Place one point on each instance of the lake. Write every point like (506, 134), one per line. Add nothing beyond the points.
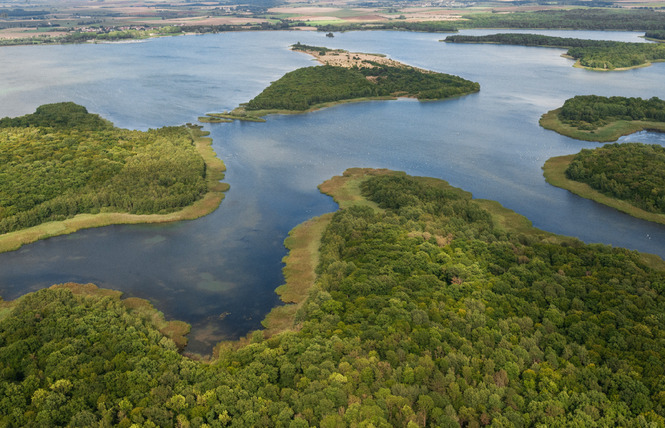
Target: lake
(219, 272)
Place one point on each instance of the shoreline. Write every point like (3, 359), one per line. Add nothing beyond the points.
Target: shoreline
(208, 203)
(604, 134)
(554, 173)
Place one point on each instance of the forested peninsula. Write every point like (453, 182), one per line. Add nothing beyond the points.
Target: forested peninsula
(429, 308)
(63, 169)
(600, 55)
(603, 119)
(346, 77)
(627, 177)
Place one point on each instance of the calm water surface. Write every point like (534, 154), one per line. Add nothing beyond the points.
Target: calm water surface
(230, 261)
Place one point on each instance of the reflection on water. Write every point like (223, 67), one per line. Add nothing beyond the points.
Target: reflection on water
(219, 272)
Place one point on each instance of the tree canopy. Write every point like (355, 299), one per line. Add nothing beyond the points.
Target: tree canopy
(427, 311)
(62, 160)
(632, 172)
(597, 54)
(306, 87)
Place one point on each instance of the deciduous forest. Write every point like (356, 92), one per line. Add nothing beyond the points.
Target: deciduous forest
(306, 87)
(61, 161)
(632, 172)
(428, 310)
(597, 54)
(590, 112)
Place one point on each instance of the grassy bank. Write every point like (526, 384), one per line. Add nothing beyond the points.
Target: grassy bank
(214, 172)
(303, 244)
(299, 273)
(610, 132)
(554, 172)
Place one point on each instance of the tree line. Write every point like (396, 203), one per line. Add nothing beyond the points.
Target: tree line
(600, 54)
(61, 161)
(655, 34)
(425, 313)
(574, 19)
(589, 112)
(632, 172)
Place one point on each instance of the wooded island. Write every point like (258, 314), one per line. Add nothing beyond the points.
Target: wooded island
(347, 77)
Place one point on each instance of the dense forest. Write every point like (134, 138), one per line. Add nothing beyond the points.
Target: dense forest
(632, 172)
(309, 86)
(62, 160)
(426, 26)
(598, 54)
(588, 112)
(574, 19)
(427, 311)
(658, 35)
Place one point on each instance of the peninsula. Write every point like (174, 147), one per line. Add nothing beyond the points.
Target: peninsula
(346, 77)
(76, 170)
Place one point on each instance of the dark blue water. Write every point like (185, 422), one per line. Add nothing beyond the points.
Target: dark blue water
(230, 261)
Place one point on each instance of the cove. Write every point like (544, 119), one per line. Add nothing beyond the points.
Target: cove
(487, 143)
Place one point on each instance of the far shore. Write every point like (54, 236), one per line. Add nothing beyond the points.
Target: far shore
(604, 134)
(208, 203)
(554, 172)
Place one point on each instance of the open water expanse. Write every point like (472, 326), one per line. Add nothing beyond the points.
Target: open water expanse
(229, 262)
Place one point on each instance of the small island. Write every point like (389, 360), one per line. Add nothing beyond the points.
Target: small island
(63, 169)
(604, 119)
(628, 177)
(599, 55)
(346, 77)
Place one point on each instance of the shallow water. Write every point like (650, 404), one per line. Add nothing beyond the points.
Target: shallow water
(488, 143)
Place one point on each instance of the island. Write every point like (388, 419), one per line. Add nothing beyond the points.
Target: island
(600, 55)
(423, 307)
(627, 177)
(346, 77)
(63, 169)
(604, 119)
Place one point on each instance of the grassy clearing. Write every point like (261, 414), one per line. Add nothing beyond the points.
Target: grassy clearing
(610, 132)
(345, 189)
(214, 172)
